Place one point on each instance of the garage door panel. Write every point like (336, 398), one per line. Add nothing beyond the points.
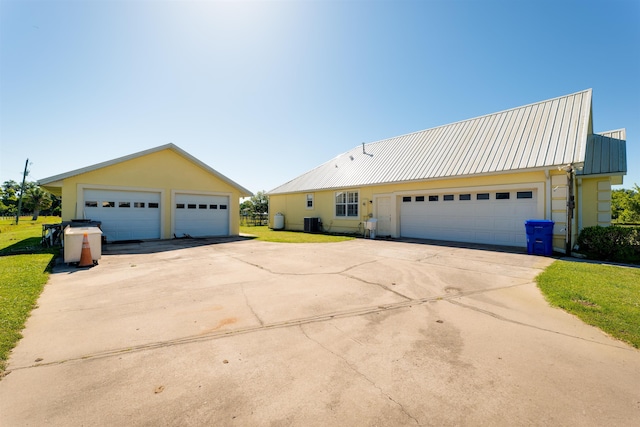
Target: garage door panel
(483, 223)
(125, 215)
(493, 221)
(201, 215)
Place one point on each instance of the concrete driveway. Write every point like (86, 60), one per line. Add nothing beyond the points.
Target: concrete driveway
(358, 333)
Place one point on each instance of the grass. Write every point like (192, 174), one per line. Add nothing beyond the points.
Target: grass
(264, 233)
(607, 297)
(24, 237)
(22, 277)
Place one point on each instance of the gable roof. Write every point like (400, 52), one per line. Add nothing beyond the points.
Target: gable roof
(56, 180)
(532, 137)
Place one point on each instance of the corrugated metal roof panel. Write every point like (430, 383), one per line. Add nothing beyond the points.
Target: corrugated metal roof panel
(605, 154)
(545, 134)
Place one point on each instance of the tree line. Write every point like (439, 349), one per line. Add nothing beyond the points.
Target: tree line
(625, 205)
(35, 200)
(258, 204)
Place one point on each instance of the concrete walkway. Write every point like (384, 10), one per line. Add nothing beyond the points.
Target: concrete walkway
(356, 333)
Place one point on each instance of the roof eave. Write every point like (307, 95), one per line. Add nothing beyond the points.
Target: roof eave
(378, 184)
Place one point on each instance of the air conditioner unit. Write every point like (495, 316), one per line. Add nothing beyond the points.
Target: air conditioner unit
(311, 225)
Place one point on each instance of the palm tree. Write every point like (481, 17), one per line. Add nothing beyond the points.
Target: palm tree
(38, 199)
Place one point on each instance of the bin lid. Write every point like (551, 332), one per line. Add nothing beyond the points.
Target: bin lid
(82, 230)
(538, 221)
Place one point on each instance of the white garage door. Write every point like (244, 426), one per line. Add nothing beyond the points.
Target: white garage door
(125, 215)
(490, 217)
(199, 215)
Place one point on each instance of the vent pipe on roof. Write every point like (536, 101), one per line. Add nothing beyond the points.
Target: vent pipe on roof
(365, 151)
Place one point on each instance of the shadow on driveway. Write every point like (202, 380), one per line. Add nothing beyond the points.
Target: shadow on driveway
(156, 246)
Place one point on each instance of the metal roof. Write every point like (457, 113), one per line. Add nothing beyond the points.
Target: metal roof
(606, 154)
(56, 180)
(541, 135)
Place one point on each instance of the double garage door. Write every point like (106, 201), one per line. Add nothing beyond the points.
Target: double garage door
(488, 217)
(136, 215)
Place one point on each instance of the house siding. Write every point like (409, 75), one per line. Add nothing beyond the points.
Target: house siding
(596, 200)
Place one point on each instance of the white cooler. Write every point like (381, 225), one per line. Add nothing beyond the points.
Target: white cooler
(73, 243)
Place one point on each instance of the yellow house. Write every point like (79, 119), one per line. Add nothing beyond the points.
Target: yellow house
(154, 194)
(474, 181)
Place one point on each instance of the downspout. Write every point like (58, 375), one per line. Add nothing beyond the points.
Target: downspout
(570, 206)
(547, 175)
(579, 204)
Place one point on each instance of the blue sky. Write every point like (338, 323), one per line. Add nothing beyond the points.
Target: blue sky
(263, 91)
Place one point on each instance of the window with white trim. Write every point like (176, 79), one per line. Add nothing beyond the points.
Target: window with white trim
(347, 204)
(309, 201)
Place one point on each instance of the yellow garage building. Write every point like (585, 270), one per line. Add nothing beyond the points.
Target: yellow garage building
(154, 194)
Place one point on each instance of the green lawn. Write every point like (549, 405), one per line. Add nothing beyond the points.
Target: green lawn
(266, 234)
(22, 277)
(607, 297)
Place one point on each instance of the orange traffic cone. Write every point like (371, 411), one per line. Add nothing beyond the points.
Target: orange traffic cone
(85, 255)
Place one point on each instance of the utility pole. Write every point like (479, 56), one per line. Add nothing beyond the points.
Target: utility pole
(24, 177)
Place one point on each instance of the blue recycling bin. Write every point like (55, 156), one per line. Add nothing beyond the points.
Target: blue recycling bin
(539, 236)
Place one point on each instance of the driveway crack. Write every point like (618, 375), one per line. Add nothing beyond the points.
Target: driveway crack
(246, 300)
(386, 288)
(516, 322)
(366, 378)
(354, 312)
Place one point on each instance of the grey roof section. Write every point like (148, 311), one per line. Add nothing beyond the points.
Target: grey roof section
(541, 135)
(606, 154)
(53, 179)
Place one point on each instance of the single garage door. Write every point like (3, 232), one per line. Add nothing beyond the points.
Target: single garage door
(489, 217)
(199, 215)
(125, 215)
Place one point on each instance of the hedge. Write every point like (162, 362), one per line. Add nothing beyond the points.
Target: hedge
(613, 243)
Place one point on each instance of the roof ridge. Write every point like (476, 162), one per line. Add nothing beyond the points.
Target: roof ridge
(482, 116)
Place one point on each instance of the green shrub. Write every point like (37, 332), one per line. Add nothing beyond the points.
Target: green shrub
(614, 243)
